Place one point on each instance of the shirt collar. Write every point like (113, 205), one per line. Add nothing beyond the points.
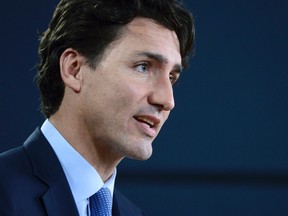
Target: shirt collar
(83, 179)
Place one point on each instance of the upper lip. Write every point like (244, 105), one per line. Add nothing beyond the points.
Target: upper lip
(152, 121)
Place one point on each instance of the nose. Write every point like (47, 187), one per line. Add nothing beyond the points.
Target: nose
(162, 95)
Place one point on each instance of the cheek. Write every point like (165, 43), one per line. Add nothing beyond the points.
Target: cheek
(128, 94)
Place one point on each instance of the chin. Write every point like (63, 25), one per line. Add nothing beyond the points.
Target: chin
(143, 157)
(141, 154)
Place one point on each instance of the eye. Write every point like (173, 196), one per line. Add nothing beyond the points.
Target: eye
(173, 78)
(143, 67)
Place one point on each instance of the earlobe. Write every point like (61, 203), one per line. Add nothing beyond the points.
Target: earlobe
(70, 65)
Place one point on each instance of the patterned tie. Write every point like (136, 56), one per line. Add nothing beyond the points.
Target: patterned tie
(101, 203)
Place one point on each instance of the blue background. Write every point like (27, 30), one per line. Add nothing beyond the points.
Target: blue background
(224, 150)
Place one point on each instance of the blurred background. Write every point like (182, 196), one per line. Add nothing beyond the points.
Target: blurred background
(224, 150)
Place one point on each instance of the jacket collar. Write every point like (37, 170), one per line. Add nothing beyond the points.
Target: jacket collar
(58, 199)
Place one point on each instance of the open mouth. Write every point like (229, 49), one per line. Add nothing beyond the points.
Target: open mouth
(148, 120)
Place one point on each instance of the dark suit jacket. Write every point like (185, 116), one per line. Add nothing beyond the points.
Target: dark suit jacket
(32, 183)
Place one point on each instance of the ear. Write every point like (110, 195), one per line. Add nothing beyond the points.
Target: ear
(70, 65)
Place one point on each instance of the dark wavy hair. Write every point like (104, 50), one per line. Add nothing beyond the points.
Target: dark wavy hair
(89, 26)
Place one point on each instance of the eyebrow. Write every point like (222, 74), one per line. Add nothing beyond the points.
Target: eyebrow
(160, 59)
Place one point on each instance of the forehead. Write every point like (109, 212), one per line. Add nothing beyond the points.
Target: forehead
(143, 25)
(144, 34)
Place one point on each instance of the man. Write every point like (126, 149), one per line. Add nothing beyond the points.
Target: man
(106, 75)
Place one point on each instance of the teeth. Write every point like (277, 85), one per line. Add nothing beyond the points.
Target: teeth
(147, 121)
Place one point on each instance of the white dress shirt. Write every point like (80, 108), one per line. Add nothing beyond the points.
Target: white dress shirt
(83, 179)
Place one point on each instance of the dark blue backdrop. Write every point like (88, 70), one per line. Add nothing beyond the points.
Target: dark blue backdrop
(224, 150)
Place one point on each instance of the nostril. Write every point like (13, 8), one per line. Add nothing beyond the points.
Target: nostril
(169, 106)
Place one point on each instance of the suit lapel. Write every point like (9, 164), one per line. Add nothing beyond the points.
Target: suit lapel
(56, 203)
(58, 200)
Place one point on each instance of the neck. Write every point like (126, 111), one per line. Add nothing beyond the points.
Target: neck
(102, 159)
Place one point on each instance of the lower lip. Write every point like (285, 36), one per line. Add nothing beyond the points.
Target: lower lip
(151, 132)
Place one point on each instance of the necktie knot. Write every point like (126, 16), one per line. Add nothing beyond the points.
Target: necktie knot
(101, 203)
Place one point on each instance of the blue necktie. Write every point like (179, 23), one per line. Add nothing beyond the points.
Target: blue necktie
(101, 203)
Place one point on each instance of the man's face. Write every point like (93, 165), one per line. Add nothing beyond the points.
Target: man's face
(128, 97)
